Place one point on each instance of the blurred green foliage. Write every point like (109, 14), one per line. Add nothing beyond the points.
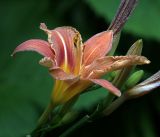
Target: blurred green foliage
(25, 86)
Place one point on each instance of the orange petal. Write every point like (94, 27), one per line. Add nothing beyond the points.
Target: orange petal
(37, 45)
(109, 86)
(97, 46)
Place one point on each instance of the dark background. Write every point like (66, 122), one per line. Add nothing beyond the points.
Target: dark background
(25, 86)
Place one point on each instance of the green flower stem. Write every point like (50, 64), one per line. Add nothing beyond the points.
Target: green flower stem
(122, 76)
(115, 105)
(46, 114)
(84, 120)
(68, 105)
(77, 125)
(43, 127)
(108, 100)
(96, 114)
(43, 131)
(43, 119)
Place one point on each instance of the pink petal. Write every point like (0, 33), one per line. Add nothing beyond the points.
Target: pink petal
(66, 42)
(106, 84)
(59, 74)
(40, 46)
(97, 46)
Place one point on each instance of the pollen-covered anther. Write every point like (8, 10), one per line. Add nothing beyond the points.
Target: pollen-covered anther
(47, 62)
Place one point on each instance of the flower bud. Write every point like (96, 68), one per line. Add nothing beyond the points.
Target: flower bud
(69, 117)
(134, 78)
(123, 74)
(124, 11)
(145, 86)
(136, 48)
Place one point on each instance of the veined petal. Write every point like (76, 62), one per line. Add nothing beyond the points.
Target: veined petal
(40, 46)
(97, 46)
(109, 86)
(112, 63)
(66, 42)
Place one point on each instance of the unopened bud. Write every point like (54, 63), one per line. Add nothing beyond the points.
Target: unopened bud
(136, 48)
(124, 11)
(134, 79)
(145, 86)
(69, 117)
(111, 75)
(123, 74)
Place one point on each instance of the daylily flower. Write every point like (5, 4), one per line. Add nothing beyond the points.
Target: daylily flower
(76, 66)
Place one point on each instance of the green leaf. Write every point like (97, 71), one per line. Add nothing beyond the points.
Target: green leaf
(144, 21)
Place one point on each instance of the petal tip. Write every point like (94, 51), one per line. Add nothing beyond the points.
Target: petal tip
(37, 45)
(118, 94)
(110, 32)
(147, 61)
(14, 52)
(140, 41)
(144, 60)
(12, 55)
